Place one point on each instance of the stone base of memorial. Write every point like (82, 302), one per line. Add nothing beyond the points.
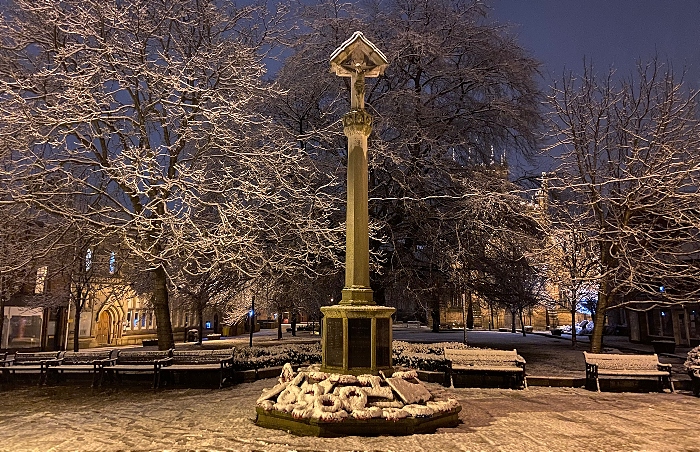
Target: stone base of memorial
(356, 339)
(316, 403)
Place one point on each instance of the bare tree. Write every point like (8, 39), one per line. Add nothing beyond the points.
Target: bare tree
(630, 163)
(457, 93)
(148, 110)
(214, 289)
(19, 232)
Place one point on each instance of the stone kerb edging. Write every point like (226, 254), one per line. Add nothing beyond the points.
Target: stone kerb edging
(250, 375)
(247, 376)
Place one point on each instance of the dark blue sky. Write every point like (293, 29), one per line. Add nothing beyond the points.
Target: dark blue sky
(612, 33)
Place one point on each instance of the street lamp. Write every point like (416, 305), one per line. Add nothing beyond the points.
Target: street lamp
(251, 314)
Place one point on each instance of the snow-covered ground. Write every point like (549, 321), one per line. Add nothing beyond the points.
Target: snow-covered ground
(72, 418)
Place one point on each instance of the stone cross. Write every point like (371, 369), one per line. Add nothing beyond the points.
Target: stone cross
(356, 332)
(357, 58)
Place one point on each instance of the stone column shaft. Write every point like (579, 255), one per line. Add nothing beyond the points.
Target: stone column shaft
(357, 127)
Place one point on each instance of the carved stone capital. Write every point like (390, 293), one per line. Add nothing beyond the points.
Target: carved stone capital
(357, 122)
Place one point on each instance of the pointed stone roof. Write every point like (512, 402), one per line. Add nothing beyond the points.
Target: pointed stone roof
(358, 54)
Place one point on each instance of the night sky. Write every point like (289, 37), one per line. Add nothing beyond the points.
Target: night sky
(612, 33)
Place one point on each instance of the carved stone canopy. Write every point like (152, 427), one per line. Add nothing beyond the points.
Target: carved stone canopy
(358, 55)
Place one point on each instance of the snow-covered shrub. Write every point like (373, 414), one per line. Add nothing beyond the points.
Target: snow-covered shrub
(423, 356)
(260, 357)
(693, 358)
(415, 356)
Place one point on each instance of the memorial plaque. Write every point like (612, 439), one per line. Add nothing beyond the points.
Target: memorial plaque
(383, 343)
(360, 339)
(334, 342)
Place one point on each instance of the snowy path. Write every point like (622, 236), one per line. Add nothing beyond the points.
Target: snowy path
(72, 418)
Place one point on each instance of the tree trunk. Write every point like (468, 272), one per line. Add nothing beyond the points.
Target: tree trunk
(573, 327)
(435, 314)
(161, 307)
(470, 312)
(2, 314)
(76, 327)
(512, 321)
(200, 322)
(522, 324)
(279, 326)
(599, 319)
(464, 318)
(61, 328)
(491, 325)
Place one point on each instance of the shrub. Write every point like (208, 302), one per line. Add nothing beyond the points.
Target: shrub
(277, 355)
(693, 358)
(421, 356)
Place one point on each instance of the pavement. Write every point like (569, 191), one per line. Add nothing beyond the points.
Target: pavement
(546, 355)
(71, 417)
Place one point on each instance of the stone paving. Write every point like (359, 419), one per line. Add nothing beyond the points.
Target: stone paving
(72, 418)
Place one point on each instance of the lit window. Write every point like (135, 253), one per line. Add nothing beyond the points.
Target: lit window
(40, 280)
(143, 320)
(112, 262)
(88, 260)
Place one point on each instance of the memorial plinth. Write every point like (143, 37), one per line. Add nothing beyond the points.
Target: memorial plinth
(357, 339)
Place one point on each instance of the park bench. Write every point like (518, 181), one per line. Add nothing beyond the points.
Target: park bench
(196, 361)
(83, 362)
(617, 366)
(134, 362)
(506, 363)
(33, 363)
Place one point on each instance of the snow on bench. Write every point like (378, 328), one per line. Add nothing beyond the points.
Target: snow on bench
(617, 366)
(135, 361)
(482, 361)
(27, 363)
(199, 361)
(89, 362)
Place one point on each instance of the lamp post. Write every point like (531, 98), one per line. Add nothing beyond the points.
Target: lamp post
(252, 319)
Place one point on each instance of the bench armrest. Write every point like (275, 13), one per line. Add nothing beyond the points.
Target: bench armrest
(663, 366)
(520, 360)
(227, 362)
(106, 362)
(164, 362)
(7, 362)
(54, 362)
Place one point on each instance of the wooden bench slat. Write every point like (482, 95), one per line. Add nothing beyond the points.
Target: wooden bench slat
(198, 361)
(619, 365)
(487, 361)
